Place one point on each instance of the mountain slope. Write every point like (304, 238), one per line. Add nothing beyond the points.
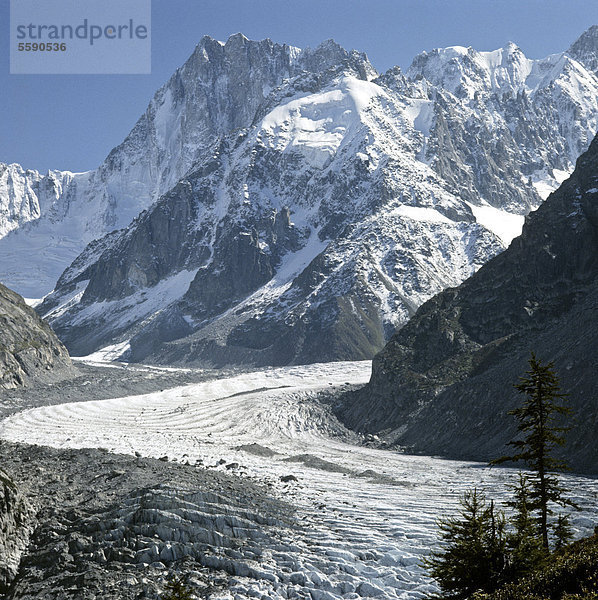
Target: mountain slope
(584, 49)
(217, 90)
(312, 205)
(317, 231)
(29, 349)
(443, 382)
(294, 230)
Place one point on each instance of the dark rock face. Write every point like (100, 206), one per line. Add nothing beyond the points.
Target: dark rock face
(240, 265)
(443, 384)
(29, 349)
(15, 526)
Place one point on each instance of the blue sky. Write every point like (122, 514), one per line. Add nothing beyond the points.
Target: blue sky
(73, 121)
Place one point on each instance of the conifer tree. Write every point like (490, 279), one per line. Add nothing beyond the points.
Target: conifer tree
(540, 436)
(524, 544)
(496, 547)
(177, 590)
(562, 531)
(473, 556)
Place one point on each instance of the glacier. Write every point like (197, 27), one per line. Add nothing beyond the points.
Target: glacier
(365, 516)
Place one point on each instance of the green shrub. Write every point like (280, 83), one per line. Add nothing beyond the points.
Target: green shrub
(570, 574)
(177, 590)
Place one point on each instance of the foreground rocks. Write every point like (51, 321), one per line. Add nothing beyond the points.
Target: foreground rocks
(15, 523)
(98, 525)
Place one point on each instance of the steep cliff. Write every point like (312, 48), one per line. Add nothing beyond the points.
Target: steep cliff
(29, 349)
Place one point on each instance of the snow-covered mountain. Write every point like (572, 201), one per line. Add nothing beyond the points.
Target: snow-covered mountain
(311, 204)
(510, 110)
(444, 383)
(318, 217)
(216, 91)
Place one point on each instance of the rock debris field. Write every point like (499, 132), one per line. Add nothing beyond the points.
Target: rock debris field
(244, 484)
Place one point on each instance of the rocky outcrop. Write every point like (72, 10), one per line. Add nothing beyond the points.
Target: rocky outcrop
(29, 349)
(443, 384)
(16, 519)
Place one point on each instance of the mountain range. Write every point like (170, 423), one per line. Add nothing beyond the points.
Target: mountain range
(444, 383)
(276, 205)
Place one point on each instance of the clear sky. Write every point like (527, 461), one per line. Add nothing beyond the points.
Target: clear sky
(71, 122)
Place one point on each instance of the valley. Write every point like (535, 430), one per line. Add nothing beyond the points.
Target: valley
(273, 337)
(360, 517)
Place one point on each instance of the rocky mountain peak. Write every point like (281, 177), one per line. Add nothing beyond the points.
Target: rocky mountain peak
(325, 53)
(466, 72)
(585, 49)
(329, 54)
(239, 53)
(239, 46)
(239, 39)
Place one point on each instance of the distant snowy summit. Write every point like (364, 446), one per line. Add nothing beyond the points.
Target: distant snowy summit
(276, 205)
